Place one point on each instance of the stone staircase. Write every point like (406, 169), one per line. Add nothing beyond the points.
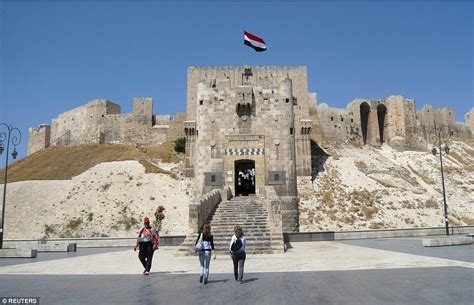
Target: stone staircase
(252, 215)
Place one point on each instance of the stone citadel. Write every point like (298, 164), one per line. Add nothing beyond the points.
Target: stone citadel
(253, 130)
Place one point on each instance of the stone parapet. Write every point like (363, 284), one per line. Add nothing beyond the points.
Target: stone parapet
(18, 253)
(447, 241)
(199, 212)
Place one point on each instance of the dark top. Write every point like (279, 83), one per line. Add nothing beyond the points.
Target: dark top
(208, 241)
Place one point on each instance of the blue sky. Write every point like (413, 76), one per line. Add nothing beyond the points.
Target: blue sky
(58, 55)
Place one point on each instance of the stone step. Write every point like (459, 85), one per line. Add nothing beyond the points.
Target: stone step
(259, 236)
(233, 212)
(250, 244)
(238, 213)
(249, 213)
(247, 230)
(238, 219)
(243, 224)
(248, 224)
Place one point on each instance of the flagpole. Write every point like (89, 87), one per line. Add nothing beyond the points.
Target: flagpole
(243, 56)
(243, 65)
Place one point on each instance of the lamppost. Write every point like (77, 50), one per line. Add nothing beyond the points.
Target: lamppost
(439, 135)
(15, 140)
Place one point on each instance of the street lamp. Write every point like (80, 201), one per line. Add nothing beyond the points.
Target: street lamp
(438, 136)
(15, 140)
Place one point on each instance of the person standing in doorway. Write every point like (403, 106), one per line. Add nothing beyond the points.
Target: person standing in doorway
(207, 241)
(147, 243)
(237, 247)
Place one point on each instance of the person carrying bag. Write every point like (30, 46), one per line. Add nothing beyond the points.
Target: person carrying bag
(237, 247)
(204, 246)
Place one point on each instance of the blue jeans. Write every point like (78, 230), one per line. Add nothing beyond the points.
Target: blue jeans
(205, 260)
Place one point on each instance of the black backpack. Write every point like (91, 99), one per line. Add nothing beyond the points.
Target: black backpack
(236, 245)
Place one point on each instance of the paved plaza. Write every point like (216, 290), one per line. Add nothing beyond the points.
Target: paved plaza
(384, 271)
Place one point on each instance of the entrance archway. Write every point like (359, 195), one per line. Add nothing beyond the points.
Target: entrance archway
(245, 178)
(364, 120)
(381, 111)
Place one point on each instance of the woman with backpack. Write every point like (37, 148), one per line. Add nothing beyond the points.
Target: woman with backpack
(204, 246)
(238, 244)
(147, 243)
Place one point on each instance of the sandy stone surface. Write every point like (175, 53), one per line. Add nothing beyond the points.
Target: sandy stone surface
(109, 199)
(370, 188)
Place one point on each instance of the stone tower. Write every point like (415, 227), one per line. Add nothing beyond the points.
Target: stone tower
(245, 120)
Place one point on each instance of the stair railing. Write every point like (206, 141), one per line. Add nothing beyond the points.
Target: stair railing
(274, 211)
(200, 211)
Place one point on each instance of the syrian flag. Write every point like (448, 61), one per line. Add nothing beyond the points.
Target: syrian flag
(254, 42)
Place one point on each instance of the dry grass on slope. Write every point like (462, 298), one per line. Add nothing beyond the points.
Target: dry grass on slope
(62, 163)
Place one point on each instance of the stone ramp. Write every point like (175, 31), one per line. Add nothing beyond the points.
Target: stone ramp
(249, 213)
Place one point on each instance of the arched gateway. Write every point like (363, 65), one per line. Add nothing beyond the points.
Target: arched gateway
(245, 177)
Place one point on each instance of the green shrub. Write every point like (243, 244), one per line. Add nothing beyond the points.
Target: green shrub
(48, 230)
(74, 223)
(180, 145)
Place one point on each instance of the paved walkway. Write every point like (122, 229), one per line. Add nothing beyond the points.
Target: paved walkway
(355, 272)
(304, 256)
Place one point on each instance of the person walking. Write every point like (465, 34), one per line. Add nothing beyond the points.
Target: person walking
(147, 242)
(207, 241)
(237, 246)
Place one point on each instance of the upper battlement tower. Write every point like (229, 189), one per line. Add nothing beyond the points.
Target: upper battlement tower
(249, 121)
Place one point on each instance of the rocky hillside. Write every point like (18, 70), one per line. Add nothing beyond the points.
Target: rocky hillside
(369, 188)
(97, 196)
(106, 190)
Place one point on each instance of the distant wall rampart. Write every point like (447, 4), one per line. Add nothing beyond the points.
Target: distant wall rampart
(392, 120)
(38, 138)
(101, 121)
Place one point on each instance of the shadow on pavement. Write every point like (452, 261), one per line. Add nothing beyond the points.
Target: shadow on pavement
(250, 280)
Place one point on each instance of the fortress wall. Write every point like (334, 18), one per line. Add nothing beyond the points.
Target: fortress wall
(261, 75)
(131, 129)
(176, 127)
(391, 120)
(143, 109)
(402, 123)
(38, 138)
(463, 131)
(231, 77)
(162, 119)
(247, 118)
(336, 125)
(428, 116)
(82, 123)
(469, 120)
(371, 127)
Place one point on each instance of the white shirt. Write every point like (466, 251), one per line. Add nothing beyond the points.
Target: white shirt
(244, 243)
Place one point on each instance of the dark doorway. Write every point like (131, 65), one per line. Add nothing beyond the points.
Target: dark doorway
(364, 120)
(245, 177)
(381, 111)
